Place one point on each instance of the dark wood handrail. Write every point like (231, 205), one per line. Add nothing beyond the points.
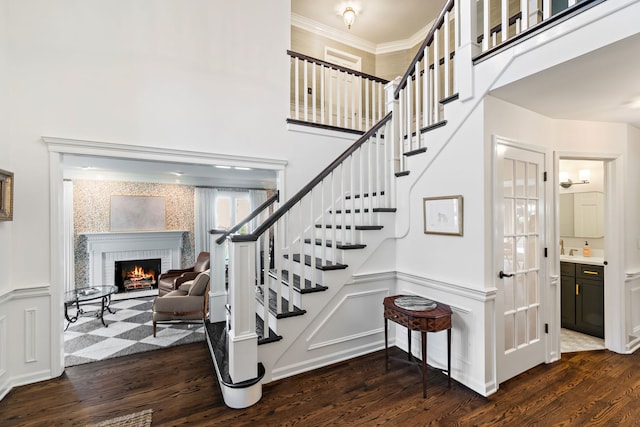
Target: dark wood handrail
(336, 67)
(427, 41)
(307, 188)
(271, 200)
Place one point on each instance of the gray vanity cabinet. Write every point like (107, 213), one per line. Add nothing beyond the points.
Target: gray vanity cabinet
(582, 298)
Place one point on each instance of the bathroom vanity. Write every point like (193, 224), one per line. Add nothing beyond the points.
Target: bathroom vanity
(582, 295)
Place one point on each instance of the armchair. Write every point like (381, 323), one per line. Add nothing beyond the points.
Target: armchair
(172, 279)
(185, 305)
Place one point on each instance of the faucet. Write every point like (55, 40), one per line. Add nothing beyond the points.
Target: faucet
(571, 252)
(561, 247)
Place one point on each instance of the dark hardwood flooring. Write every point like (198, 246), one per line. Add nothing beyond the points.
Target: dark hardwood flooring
(179, 384)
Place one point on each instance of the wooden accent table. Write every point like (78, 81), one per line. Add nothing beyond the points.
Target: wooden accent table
(434, 320)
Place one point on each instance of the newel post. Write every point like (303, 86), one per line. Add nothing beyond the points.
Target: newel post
(218, 282)
(243, 340)
(467, 46)
(394, 149)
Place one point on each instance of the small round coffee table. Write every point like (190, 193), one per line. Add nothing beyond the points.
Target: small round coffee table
(83, 296)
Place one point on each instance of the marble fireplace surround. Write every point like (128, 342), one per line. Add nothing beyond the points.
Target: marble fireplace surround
(106, 248)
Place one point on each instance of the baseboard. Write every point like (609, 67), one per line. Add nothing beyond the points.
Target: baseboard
(326, 360)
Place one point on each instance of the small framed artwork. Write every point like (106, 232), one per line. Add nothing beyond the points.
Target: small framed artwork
(6, 195)
(443, 215)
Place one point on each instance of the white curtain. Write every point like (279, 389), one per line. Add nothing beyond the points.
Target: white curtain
(205, 217)
(256, 198)
(68, 240)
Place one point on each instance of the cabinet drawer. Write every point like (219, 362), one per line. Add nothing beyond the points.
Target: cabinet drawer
(397, 317)
(585, 271)
(567, 269)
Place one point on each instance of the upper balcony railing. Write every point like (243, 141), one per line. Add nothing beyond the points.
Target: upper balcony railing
(333, 96)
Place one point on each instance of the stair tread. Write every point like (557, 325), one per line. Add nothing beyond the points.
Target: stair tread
(357, 227)
(339, 245)
(358, 196)
(366, 210)
(403, 173)
(217, 337)
(415, 152)
(308, 287)
(318, 263)
(286, 312)
(273, 337)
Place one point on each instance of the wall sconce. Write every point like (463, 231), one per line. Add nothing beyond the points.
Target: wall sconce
(349, 16)
(583, 178)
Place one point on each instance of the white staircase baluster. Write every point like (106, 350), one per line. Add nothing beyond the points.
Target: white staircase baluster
(416, 115)
(504, 20)
(524, 8)
(314, 107)
(436, 75)
(304, 91)
(330, 105)
(312, 231)
(297, 88)
(485, 26)
(322, 94)
(367, 84)
(446, 46)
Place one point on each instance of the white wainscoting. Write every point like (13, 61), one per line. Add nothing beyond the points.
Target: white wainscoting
(106, 248)
(25, 329)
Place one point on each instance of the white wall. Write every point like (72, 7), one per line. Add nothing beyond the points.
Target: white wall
(632, 202)
(194, 75)
(5, 148)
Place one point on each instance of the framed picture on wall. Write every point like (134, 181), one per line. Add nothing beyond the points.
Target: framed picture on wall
(138, 213)
(6, 195)
(443, 215)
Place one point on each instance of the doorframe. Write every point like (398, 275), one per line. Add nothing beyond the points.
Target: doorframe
(546, 282)
(614, 298)
(58, 147)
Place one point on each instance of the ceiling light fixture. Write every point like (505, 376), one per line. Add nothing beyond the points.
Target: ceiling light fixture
(349, 16)
(177, 173)
(223, 167)
(242, 168)
(583, 178)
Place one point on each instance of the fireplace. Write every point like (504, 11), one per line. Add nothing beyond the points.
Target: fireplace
(134, 275)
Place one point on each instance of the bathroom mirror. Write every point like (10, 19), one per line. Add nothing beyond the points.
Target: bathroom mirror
(582, 214)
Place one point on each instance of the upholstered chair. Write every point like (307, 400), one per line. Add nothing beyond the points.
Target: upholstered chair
(172, 279)
(189, 304)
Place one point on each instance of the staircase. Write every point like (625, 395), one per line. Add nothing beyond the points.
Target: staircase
(286, 277)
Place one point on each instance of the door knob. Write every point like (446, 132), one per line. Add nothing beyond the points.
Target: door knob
(502, 275)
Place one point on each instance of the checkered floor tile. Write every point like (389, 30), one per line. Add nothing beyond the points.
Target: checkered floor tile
(129, 330)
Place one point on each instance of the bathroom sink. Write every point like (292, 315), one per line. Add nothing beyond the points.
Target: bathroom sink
(582, 260)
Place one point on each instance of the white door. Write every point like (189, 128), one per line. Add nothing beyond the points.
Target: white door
(519, 254)
(343, 93)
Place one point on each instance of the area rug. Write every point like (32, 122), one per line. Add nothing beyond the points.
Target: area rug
(129, 331)
(138, 419)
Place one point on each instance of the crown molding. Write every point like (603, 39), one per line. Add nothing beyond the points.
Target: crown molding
(349, 39)
(331, 33)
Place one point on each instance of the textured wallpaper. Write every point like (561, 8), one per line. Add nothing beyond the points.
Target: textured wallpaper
(91, 211)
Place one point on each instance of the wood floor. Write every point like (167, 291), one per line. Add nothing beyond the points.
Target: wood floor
(179, 384)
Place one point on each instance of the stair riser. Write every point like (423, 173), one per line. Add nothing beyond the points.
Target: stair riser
(284, 292)
(273, 322)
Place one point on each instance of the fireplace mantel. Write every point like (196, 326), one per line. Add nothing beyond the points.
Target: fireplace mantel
(106, 248)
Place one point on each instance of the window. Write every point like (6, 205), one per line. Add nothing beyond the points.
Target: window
(231, 208)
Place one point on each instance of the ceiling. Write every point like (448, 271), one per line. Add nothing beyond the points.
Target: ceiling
(377, 21)
(598, 86)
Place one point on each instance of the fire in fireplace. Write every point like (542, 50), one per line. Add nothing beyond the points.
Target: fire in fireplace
(137, 274)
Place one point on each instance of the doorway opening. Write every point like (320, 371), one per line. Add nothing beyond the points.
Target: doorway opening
(581, 190)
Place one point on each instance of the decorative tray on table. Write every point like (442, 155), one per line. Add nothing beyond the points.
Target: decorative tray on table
(415, 303)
